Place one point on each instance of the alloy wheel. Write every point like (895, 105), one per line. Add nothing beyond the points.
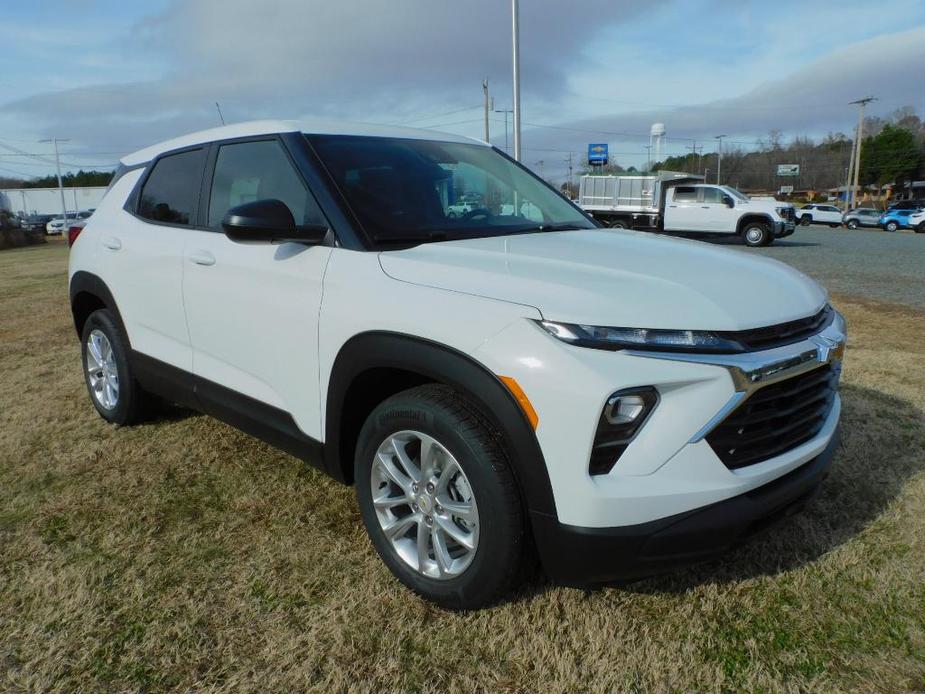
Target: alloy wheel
(425, 505)
(102, 371)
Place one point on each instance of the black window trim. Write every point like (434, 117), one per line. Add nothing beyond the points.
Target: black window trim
(133, 201)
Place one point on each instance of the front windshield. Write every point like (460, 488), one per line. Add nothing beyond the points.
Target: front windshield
(409, 191)
(736, 194)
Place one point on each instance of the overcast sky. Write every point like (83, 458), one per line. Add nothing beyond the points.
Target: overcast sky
(112, 76)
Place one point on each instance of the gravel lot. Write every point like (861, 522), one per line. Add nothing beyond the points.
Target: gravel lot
(870, 264)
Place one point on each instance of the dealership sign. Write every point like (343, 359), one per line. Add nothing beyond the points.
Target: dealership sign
(597, 154)
(788, 169)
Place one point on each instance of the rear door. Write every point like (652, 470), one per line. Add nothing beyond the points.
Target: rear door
(253, 308)
(146, 261)
(683, 210)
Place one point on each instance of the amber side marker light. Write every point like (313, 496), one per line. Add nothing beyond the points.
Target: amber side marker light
(521, 397)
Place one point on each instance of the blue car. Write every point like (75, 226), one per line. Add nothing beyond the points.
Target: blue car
(891, 220)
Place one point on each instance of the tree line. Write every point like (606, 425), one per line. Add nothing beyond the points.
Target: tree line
(81, 179)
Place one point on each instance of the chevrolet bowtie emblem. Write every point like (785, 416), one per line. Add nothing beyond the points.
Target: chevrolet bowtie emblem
(827, 347)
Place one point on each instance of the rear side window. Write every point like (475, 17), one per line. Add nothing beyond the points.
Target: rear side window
(685, 194)
(249, 171)
(171, 191)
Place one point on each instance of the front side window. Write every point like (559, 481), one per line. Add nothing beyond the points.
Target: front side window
(685, 194)
(249, 171)
(712, 195)
(171, 191)
(409, 191)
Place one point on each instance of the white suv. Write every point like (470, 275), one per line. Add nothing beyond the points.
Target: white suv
(495, 387)
(819, 214)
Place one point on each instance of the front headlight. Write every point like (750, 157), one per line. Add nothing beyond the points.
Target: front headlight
(642, 338)
(782, 212)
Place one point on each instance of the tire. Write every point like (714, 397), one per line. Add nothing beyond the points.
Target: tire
(123, 402)
(440, 418)
(920, 229)
(835, 226)
(617, 224)
(756, 234)
(806, 220)
(852, 224)
(891, 226)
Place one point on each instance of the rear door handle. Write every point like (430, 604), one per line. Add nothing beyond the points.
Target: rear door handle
(112, 243)
(202, 258)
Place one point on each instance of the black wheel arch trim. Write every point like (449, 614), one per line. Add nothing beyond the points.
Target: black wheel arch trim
(755, 217)
(87, 283)
(437, 362)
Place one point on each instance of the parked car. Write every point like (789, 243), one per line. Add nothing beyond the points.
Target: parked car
(819, 214)
(891, 220)
(492, 386)
(862, 217)
(917, 221)
(35, 222)
(58, 225)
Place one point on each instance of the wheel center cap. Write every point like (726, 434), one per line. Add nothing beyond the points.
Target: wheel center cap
(424, 503)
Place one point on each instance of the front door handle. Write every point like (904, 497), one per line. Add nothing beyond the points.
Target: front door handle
(202, 258)
(706, 207)
(112, 243)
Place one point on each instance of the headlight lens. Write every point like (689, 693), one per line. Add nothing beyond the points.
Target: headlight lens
(642, 338)
(782, 212)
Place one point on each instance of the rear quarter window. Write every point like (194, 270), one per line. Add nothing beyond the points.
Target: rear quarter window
(171, 191)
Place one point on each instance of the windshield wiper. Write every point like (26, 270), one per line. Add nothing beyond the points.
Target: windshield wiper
(548, 227)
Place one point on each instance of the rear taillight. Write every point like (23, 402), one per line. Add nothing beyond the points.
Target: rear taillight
(72, 234)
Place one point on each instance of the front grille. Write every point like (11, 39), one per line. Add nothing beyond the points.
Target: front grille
(783, 333)
(776, 418)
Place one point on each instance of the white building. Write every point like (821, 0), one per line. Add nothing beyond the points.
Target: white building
(26, 201)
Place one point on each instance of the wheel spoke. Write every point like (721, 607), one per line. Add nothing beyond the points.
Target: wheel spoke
(424, 541)
(446, 475)
(455, 532)
(93, 349)
(394, 474)
(462, 510)
(428, 458)
(410, 469)
(441, 553)
(400, 526)
(385, 502)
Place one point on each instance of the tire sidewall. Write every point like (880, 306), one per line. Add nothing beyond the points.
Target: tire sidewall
(852, 224)
(104, 321)
(806, 220)
(481, 465)
(891, 226)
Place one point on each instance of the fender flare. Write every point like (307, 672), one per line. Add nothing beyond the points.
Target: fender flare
(754, 217)
(439, 363)
(87, 283)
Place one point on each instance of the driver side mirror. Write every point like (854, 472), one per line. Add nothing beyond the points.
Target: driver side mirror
(729, 201)
(269, 221)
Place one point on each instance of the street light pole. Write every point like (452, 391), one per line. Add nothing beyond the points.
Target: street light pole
(55, 141)
(515, 46)
(485, 93)
(719, 158)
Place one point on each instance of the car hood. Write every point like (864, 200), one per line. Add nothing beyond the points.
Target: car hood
(616, 278)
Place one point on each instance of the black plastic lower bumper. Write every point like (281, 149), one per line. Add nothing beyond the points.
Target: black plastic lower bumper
(582, 556)
(782, 229)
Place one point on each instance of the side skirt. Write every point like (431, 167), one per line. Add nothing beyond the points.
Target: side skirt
(270, 424)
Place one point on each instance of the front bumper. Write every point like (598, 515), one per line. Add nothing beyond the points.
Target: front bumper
(580, 556)
(784, 228)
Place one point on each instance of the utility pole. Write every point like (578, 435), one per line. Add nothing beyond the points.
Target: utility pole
(505, 111)
(55, 141)
(849, 172)
(515, 49)
(220, 116)
(857, 150)
(719, 158)
(485, 93)
(693, 148)
(569, 187)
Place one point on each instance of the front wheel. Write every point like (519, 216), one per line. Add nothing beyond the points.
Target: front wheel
(438, 498)
(806, 220)
(853, 224)
(756, 234)
(920, 229)
(835, 226)
(891, 226)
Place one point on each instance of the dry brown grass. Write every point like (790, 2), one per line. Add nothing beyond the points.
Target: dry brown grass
(183, 554)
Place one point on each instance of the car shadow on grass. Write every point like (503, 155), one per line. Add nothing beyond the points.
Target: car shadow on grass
(881, 448)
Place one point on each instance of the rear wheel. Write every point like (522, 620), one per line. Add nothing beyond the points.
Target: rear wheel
(835, 226)
(107, 372)
(756, 234)
(806, 220)
(920, 229)
(438, 498)
(617, 224)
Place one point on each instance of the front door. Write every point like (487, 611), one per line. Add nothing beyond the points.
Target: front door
(253, 308)
(720, 217)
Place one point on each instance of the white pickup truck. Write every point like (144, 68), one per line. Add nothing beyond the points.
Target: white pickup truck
(683, 204)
